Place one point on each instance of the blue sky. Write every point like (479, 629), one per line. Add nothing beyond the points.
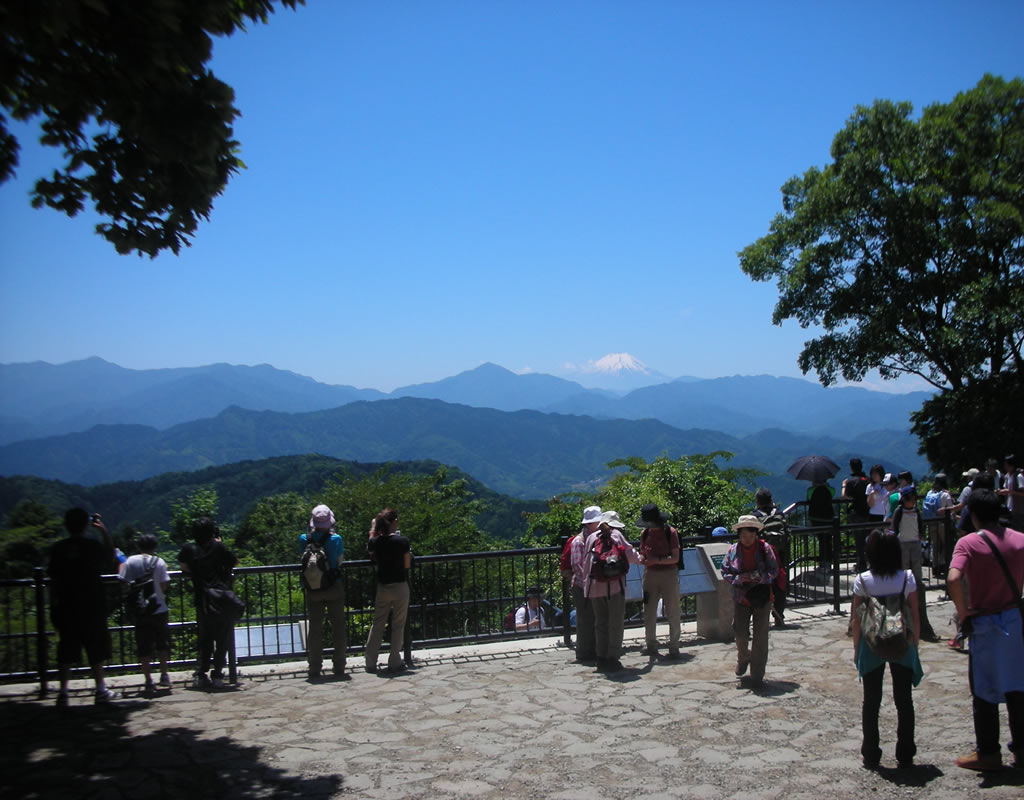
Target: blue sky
(433, 185)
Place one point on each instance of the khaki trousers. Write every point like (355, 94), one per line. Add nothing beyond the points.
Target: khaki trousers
(392, 600)
(661, 584)
(332, 601)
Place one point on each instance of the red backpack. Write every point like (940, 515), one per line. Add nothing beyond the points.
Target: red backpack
(610, 562)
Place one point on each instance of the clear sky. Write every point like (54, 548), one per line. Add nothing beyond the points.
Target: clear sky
(433, 185)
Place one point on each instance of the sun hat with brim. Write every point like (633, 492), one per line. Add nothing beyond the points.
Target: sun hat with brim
(591, 514)
(651, 517)
(972, 473)
(321, 519)
(611, 519)
(748, 521)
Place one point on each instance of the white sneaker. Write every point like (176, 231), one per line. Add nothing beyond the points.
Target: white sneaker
(105, 697)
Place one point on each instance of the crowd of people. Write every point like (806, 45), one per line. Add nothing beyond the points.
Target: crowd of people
(985, 575)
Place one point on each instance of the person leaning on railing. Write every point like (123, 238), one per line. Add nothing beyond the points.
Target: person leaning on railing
(391, 553)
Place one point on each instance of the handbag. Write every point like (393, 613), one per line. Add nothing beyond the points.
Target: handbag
(758, 595)
(223, 603)
(1014, 591)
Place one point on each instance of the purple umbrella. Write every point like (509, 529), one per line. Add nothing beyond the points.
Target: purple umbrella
(816, 469)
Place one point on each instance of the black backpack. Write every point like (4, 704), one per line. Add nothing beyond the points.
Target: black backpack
(857, 491)
(141, 601)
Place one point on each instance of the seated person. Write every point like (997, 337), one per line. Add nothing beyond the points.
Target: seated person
(535, 614)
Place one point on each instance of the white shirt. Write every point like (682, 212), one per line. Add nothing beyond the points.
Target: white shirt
(867, 584)
(138, 565)
(525, 614)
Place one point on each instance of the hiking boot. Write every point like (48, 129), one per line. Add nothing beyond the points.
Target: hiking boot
(650, 651)
(202, 681)
(313, 674)
(673, 653)
(981, 763)
(165, 680)
(62, 701)
(741, 667)
(104, 697)
(371, 668)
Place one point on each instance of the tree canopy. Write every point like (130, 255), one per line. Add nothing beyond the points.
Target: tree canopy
(123, 90)
(693, 491)
(907, 249)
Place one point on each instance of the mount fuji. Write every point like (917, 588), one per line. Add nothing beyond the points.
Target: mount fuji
(617, 372)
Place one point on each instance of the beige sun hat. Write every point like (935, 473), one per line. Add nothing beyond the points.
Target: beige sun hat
(747, 521)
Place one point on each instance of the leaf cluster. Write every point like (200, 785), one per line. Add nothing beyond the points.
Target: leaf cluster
(695, 492)
(908, 248)
(123, 90)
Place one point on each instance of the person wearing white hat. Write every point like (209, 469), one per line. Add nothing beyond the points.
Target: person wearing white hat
(572, 568)
(329, 593)
(750, 566)
(607, 556)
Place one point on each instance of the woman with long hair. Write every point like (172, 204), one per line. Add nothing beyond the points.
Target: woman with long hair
(884, 577)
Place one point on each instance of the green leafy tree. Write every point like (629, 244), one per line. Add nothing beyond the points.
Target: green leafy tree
(963, 429)
(694, 491)
(269, 531)
(435, 512)
(201, 502)
(144, 126)
(908, 248)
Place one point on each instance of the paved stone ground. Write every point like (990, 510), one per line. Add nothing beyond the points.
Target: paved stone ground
(510, 720)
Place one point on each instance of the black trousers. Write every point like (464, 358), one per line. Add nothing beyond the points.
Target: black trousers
(214, 635)
(902, 688)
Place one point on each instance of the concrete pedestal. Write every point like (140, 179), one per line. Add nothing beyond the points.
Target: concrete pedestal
(714, 609)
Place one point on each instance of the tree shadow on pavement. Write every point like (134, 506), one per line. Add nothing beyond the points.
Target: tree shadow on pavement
(919, 775)
(89, 751)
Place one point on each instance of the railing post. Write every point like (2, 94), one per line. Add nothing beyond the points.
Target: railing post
(836, 544)
(42, 651)
(566, 633)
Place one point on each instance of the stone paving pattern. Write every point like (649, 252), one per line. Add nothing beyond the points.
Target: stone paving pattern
(511, 720)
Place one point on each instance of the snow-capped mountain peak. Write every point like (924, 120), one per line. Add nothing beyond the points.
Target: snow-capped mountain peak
(618, 363)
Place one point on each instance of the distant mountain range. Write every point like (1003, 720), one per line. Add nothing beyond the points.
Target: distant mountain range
(40, 399)
(526, 454)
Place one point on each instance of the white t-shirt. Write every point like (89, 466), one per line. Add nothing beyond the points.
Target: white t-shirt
(909, 531)
(525, 614)
(878, 499)
(138, 565)
(867, 584)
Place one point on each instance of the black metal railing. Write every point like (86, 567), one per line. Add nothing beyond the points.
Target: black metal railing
(454, 599)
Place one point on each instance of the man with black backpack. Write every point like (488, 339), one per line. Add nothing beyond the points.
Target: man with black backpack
(321, 551)
(659, 549)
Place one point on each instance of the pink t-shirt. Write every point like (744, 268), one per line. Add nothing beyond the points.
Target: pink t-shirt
(987, 589)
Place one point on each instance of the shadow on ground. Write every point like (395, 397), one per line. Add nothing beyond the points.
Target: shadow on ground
(87, 751)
